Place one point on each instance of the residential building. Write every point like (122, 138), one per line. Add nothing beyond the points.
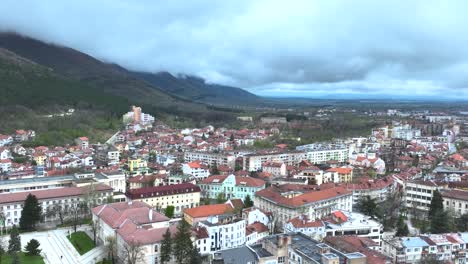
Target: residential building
(196, 169)
(82, 142)
(230, 186)
(201, 213)
(225, 231)
(212, 159)
(321, 153)
(289, 201)
(254, 162)
(345, 174)
(275, 168)
(418, 195)
(181, 196)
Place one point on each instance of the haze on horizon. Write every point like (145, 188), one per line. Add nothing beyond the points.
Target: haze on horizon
(274, 48)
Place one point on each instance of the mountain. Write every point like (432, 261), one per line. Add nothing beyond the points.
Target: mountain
(197, 89)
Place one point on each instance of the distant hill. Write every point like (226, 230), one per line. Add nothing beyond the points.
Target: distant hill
(90, 78)
(198, 89)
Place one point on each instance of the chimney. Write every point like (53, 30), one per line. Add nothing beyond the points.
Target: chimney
(130, 202)
(150, 214)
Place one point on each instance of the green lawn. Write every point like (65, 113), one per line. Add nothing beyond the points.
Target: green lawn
(24, 259)
(81, 241)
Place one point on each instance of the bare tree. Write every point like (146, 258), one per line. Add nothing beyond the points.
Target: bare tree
(133, 252)
(77, 210)
(95, 226)
(111, 247)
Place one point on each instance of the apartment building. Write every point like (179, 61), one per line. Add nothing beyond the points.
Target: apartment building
(11, 204)
(212, 159)
(254, 162)
(418, 194)
(224, 231)
(322, 152)
(230, 186)
(291, 200)
(181, 196)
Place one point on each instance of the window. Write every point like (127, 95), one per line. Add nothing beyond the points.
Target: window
(281, 259)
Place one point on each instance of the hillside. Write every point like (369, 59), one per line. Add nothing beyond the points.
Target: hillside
(198, 89)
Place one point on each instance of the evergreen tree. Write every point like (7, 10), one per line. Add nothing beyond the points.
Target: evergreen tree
(402, 228)
(437, 204)
(31, 213)
(220, 198)
(214, 170)
(462, 223)
(169, 211)
(232, 138)
(368, 206)
(166, 247)
(183, 243)
(32, 248)
(15, 241)
(195, 257)
(248, 202)
(203, 136)
(439, 223)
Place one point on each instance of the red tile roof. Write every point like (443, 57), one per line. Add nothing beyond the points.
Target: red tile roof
(208, 210)
(304, 222)
(157, 191)
(341, 170)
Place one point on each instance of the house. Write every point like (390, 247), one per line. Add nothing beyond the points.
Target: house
(5, 153)
(196, 169)
(345, 174)
(82, 142)
(5, 165)
(225, 231)
(275, 168)
(5, 140)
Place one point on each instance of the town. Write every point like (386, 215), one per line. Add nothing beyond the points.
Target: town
(156, 194)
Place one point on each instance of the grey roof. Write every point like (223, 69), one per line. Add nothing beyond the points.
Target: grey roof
(241, 255)
(37, 179)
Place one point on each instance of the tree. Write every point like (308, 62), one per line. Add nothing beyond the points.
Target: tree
(462, 223)
(15, 241)
(232, 138)
(402, 228)
(220, 198)
(133, 252)
(248, 202)
(183, 243)
(214, 170)
(31, 213)
(166, 247)
(77, 210)
(437, 204)
(32, 248)
(368, 206)
(195, 257)
(372, 174)
(95, 228)
(169, 211)
(111, 247)
(203, 136)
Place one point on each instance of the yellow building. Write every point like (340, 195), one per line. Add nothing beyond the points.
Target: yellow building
(40, 159)
(136, 164)
(181, 196)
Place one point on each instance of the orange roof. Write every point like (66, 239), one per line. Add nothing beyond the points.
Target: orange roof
(340, 215)
(297, 222)
(457, 157)
(341, 170)
(208, 210)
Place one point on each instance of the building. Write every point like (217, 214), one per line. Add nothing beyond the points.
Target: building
(212, 159)
(455, 201)
(82, 142)
(378, 189)
(418, 195)
(230, 186)
(273, 120)
(345, 174)
(196, 169)
(203, 212)
(289, 201)
(254, 162)
(225, 231)
(181, 196)
(405, 132)
(366, 246)
(443, 248)
(275, 168)
(52, 201)
(321, 153)
(132, 224)
(138, 117)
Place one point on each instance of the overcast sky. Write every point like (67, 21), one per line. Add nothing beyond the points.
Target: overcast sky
(291, 48)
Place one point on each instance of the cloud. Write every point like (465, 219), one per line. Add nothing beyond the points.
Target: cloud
(268, 47)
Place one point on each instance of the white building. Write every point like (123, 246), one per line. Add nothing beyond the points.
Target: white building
(225, 231)
(321, 153)
(212, 159)
(196, 169)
